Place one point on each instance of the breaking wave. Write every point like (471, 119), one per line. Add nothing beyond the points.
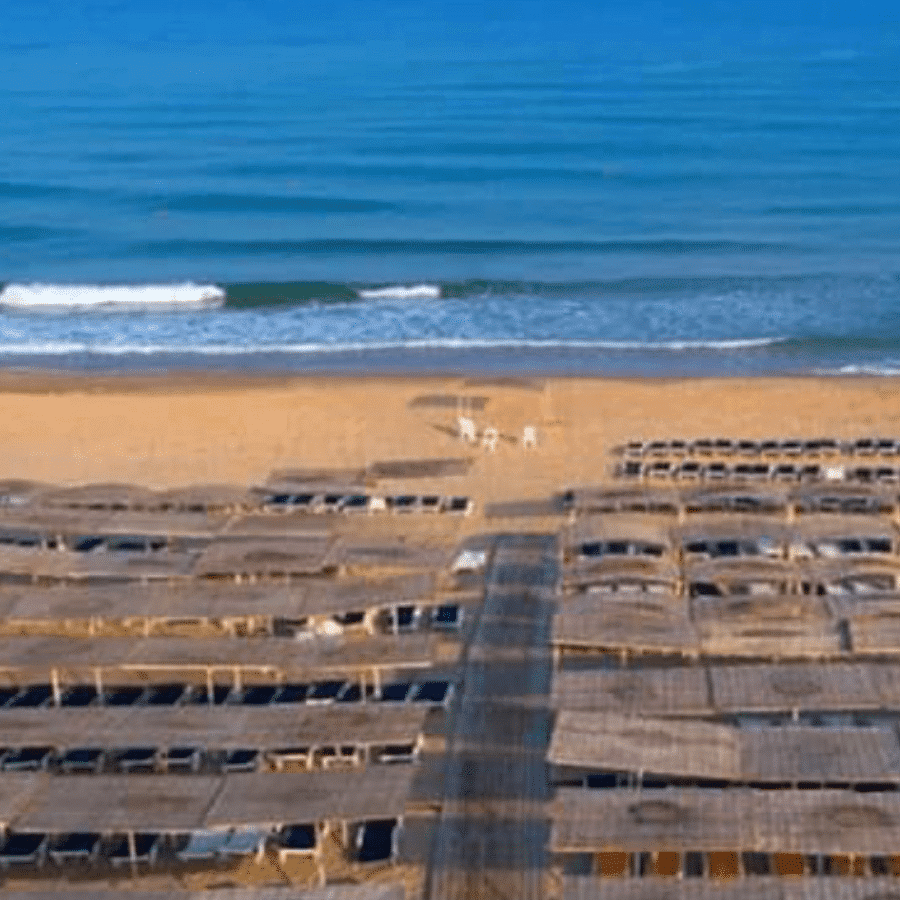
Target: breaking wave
(84, 297)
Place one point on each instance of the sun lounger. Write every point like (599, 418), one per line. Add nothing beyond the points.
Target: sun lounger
(82, 760)
(689, 471)
(396, 754)
(433, 692)
(376, 840)
(461, 506)
(23, 849)
(81, 846)
(291, 693)
(123, 696)
(145, 849)
(337, 756)
(395, 692)
(325, 692)
(245, 842)
(80, 696)
(259, 695)
(241, 761)
(36, 696)
(199, 846)
(289, 756)
(137, 759)
(446, 617)
(180, 759)
(297, 840)
(28, 759)
(355, 503)
(165, 695)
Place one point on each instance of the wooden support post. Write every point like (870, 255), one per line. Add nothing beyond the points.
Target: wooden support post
(54, 684)
(132, 853)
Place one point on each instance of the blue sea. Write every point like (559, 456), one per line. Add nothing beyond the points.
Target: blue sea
(642, 188)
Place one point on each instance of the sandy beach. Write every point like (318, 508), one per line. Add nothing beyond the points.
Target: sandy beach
(183, 429)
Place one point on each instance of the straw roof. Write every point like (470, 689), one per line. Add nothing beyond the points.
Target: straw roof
(733, 528)
(677, 691)
(419, 468)
(607, 500)
(368, 890)
(826, 821)
(850, 755)
(784, 638)
(617, 743)
(392, 555)
(15, 491)
(210, 599)
(635, 625)
(266, 558)
(277, 656)
(298, 477)
(591, 888)
(733, 499)
(701, 750)
(873, 635)
(758, 609)
(212, 727)
(70, 522)
(616, 528)
(811, 686)
(372, 792)
(731, 570)
(685, 690)
(206, 497)
(99, 496)
(15, 789)
(757, 888)
(598, 570)
(163, 803)
(266, 526)
(861, 606)
(119, 565)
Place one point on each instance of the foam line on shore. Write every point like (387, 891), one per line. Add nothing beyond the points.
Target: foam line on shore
(120, 349)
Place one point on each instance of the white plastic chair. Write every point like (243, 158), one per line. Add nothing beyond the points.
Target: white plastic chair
(467, 430)
(489, 439)
(529, 437)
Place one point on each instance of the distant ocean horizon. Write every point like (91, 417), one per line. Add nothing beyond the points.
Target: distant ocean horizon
(436, 186)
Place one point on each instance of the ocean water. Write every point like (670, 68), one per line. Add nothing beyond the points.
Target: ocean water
(576, 186)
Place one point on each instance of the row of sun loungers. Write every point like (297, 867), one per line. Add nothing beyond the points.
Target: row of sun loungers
(792, 447)
(372, 841)
(788, 473)
(192, 760)
(366, 503)
(40, 696)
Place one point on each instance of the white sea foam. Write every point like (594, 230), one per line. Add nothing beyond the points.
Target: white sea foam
(870, 369)
(58, 348)
(401, 292)
(55, 297)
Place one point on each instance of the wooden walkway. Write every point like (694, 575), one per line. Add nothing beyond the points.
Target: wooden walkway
(491, 838)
